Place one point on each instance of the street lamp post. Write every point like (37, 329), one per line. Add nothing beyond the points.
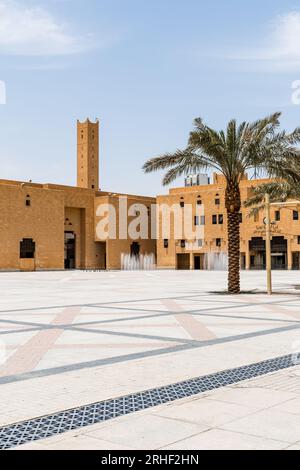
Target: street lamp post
(268, 244)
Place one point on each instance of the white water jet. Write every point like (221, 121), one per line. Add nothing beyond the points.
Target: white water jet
(216, 261)
(138, 263)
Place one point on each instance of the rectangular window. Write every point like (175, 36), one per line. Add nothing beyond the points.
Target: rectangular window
(221, 219)
(182, 243)
(199, 202)
(166, 243)
(217, 202)
(202, 220)
(295, 215)
(27, 248)
(218, 242)
(196, 220)
(201, 243)
(240, 217)
(181, 204)
(214, 220)
(277, 216)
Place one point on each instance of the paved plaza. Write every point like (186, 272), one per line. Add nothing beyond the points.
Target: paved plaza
(69, 339)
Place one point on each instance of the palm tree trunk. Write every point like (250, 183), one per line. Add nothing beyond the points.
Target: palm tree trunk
(233, 206)
(233, 252)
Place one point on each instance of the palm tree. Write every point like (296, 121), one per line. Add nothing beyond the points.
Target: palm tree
(278, 190)
(258, 145)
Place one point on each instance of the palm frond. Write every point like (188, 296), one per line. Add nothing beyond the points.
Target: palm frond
(164, 161)
(235, 151)
(279, 191)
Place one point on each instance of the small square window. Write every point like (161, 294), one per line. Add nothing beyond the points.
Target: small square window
(217, 202)
(182, 204)
(196, 220)
(199, 202)
(218, 242)
(277, 216)
(182, 243)
(28, 202)
(27, 248)
(295, 215)
(214, 220)
(221, 219)
(166, 243)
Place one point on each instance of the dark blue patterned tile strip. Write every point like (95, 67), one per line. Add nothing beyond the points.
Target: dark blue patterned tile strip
(61, 422)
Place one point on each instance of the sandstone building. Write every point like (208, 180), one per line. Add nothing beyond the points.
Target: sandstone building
(193, 253)
(53, 227)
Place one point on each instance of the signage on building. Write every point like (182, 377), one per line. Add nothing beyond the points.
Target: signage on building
(261, 229)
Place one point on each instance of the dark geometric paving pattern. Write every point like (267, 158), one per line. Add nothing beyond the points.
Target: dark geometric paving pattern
(58, 423)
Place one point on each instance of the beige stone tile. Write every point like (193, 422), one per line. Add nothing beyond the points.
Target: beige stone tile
(84, 442)
(294, 447)
(31, 446)
(147, 432)
(258, 398)
(205, 412)
(268, 424)
(291, 406)
(218, 439)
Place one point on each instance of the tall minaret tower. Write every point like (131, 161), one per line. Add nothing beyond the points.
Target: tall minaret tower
(88, 154)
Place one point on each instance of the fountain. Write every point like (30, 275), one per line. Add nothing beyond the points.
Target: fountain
(138, 263)
(216, 261)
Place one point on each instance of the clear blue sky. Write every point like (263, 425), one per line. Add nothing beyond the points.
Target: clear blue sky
(146, 69)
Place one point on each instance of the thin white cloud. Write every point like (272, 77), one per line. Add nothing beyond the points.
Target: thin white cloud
(280, 48)
(285, 38)
(33, 31)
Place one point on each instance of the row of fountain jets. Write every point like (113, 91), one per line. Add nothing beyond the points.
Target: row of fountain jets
(211, 262)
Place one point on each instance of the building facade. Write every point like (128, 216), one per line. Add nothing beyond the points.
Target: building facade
(56, 227)
(207, 250)
(53, 227)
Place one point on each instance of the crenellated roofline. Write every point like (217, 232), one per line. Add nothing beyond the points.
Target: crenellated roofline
(88, 121)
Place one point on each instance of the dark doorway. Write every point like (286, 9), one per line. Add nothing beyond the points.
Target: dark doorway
(197, 262)
(135, 249)
(279, 261)
(296, 260)
(70, 250)
(183, 261)
(257, 248)
(279, 253)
